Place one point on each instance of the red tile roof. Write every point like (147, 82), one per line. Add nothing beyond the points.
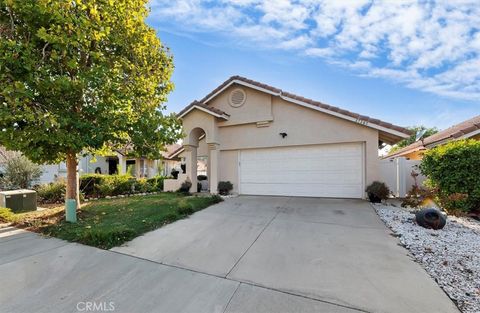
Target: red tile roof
(453, 132)
(173, 153)
(306, 100)
(204, 106)
(170, 149)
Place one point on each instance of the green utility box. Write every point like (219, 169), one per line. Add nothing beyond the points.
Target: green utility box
(22, 200)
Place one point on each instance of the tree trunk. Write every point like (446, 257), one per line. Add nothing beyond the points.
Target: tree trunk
(72, 190)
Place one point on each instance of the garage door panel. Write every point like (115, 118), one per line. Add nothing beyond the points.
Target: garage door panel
(306, 190)
(304, 177)
(321, 171)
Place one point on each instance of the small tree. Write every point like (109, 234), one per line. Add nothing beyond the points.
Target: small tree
(82, 76)
(411, 139)
(452, 170)
(19, 172)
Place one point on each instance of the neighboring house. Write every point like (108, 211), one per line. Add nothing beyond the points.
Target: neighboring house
(170, 159)
(466, 129)
(270, 142)
(118, 161)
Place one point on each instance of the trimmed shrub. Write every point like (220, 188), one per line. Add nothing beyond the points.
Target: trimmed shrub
(452, 170)
(224, 187)
(98, 185)
(51, 193)
(89, 184)
(377, 191)
(185, 187)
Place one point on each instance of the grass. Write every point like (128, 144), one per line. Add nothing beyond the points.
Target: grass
(110, 222)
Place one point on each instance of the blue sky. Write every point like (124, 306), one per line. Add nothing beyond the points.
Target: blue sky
(353, 65)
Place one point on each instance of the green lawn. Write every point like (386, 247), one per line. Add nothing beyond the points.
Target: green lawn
(109, 223)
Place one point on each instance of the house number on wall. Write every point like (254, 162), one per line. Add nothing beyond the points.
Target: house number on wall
(360, 121)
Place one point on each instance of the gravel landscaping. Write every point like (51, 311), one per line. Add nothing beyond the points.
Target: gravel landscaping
(451, 255)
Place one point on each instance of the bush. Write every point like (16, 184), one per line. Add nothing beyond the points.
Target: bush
(452, 170)
(156, 183)
(142, 185)
(51, 193)
(416, 196)
(89, 184)
(98, 185)
(224, 187)
(19, 172)
(377, 191)
(6, 215)
(185, 187)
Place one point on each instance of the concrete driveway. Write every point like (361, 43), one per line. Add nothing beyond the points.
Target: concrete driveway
(335, 251)
(247, 254)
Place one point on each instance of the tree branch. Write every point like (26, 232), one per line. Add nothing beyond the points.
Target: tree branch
(43, 51)
(11, 20)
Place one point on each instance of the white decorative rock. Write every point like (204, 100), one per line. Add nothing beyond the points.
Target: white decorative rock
(450, 255)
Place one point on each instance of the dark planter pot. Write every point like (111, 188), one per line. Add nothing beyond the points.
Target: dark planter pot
(373, 198)
(430, 218)
(175, 174)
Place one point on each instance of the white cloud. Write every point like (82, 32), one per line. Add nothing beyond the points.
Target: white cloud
(433, 47)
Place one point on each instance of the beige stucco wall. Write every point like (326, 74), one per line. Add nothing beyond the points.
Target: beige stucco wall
(257, 107)
(304, 126)
(228, 167)
(199, 119)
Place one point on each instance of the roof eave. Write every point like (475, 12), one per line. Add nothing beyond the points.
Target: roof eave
(183, 114)
(358, 120)
(402, 153)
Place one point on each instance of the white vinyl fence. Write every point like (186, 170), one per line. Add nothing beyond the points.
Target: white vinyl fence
(396, 173)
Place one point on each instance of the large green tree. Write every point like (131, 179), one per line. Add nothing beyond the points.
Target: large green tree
(414, 129)
(82, 76)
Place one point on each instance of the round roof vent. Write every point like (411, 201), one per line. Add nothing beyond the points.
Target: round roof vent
(237, 97)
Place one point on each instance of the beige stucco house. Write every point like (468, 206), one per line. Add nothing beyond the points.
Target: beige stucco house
(270, 142)
(469, 129)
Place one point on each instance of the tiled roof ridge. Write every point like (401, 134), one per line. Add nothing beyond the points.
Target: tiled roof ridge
(319, 104)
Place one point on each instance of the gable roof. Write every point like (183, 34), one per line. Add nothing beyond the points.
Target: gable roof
(390, 132)
(465, 129)
(203, 107)
(170, 149)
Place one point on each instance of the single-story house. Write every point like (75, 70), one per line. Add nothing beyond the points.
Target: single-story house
(466, 129)
(266, 141)
(111, 164)
(170, 160)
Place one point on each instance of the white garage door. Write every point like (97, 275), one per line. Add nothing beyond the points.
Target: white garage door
(334, 170)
